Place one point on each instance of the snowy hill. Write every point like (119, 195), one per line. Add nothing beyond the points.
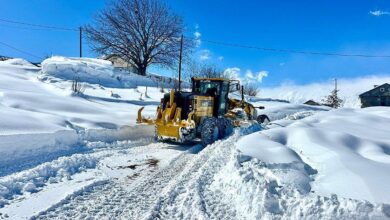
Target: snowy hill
(350, 89)
(30, 106)
(97, 71)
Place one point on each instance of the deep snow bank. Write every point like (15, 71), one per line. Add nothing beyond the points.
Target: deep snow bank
(282, 191)
(349, 148)
(350, 89)
(27, 145)
(40, 118)
(89, 70)
(98, 71)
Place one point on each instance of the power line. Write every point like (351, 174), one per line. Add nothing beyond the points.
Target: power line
(219, 43)
(289, 50)
(25, 28)
(20, 51)
(38, 25)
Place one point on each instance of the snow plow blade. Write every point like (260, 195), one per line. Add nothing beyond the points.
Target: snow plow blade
(168, 122)
(142, 120)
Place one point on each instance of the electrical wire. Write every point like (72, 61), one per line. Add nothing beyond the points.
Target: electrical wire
(24, 28)
(226, 44)
(20, 51)
(38, 25)
(289, 50)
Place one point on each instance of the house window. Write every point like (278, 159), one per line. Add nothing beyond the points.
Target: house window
(382, 89)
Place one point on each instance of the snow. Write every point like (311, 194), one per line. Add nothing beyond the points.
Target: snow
(89, 70)
(267, 150)
(282, 191)
(97, 71)
(350, 89)
(39, 116)
(80, 174)
(349, 148)
(34, 179)
(19, 63)
(77, 156)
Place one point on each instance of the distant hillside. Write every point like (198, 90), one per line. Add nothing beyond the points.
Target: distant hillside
(350, 89)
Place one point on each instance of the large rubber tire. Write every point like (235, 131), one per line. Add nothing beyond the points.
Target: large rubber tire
(225, 127)
(229, 127)
(262, 118)
(210, 132)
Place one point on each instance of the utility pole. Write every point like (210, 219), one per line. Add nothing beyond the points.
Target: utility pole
(242, 96)
(337, 101)
(180, 58)
(81, 41)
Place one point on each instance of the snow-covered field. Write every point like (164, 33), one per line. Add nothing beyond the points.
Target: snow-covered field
(66, 156)
(350, 89)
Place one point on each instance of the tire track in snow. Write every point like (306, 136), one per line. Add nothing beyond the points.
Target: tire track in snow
(190, 196)
(121, 197)
(180, 189)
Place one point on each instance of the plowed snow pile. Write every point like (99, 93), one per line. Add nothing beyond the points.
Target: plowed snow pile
(97, 71)
(41, 117)
(332, 161)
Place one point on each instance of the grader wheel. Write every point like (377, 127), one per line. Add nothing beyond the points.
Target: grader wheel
(225, 127)
(210, 131)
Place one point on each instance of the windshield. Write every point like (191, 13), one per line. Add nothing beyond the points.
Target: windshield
(207, 87)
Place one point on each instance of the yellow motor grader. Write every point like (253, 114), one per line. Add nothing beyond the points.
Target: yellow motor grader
(206, 112)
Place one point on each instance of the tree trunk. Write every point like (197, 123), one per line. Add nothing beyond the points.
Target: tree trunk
(142, 70)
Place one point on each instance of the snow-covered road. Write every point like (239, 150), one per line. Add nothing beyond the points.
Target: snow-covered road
(147, 180)
(152, 181)
(124, 179)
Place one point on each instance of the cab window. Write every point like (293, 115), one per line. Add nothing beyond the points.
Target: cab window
(209, 88)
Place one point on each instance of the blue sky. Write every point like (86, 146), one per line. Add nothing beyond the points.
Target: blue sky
(352, 27)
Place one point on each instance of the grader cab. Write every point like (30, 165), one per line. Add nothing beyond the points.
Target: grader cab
(206, 112)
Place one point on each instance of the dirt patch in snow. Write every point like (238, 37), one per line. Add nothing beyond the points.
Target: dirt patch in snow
(150, 162)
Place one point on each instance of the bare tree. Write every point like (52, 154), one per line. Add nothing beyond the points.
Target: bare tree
(77, 87)
(202, 70)
(250, 89)
(142, 32)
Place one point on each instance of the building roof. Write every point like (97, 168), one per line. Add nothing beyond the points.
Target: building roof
(107, 57)
(370, 91)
